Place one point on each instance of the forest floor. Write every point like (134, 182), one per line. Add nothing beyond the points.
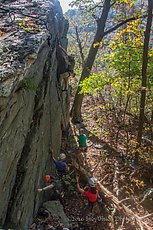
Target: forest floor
(107, 159)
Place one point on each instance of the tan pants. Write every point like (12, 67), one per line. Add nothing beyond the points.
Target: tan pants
(63, 80)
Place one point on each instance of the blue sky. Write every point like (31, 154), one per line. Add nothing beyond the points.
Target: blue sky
(65, 4)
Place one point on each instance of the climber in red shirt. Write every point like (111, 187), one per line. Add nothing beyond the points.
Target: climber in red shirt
(91, 192)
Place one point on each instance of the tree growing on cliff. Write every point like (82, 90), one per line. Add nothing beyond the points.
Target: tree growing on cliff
(104, 8)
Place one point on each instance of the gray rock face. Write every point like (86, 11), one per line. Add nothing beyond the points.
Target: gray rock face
(32, 107)
(56, 209)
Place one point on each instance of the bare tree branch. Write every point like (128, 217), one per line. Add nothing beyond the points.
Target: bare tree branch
(79, 44)
(122, 23)
(113, 3)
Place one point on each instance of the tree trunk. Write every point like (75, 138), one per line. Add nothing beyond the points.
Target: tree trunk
(144, 75)
(151, 125)
(76, 113)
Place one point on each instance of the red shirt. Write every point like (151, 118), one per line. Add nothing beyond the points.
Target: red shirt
(91, 197)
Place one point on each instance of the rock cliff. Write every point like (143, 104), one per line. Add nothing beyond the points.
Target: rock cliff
(32, 107)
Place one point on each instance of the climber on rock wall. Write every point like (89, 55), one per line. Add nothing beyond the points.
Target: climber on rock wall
(65, 66)
(60, 164)
(55, 185)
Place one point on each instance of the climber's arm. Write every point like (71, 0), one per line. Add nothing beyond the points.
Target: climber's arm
(78, 186)
(46, 188)
(51, 152)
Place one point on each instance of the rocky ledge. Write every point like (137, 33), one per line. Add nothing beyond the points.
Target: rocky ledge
(25, 25)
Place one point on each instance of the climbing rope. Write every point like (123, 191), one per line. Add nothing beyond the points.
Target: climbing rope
(50, 83)
(59, 92)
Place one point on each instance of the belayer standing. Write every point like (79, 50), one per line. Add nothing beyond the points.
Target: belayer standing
(90, 192)
(60, 164)
(82, 139)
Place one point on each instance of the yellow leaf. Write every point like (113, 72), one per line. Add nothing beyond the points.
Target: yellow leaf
(131, 4)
